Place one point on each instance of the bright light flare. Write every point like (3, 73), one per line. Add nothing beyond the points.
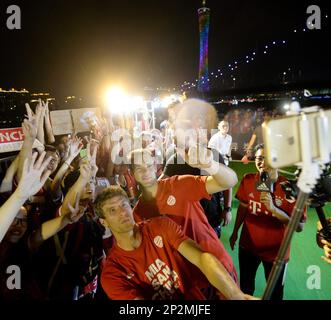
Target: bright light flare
(116, 100)
(168, 100)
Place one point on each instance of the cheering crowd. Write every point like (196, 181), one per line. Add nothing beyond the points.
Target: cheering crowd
(137, 213)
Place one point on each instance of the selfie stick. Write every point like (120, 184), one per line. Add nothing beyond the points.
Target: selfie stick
(307, 180)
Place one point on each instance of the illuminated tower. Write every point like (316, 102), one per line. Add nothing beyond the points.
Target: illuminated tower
(204, 18)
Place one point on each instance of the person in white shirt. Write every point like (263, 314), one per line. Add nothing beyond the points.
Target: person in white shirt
(221, 141)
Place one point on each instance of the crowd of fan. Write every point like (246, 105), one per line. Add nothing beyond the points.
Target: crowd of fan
(58, 204)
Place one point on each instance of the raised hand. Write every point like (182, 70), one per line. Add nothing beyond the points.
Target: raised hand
(41, 108)
(76, 212)
(200, 157)
(34, 175)
(45, 105)
(75, 146)
(92, 149)
(29, 130)
(32, 122)
(88, 167)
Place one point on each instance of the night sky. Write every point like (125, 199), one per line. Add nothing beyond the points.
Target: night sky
(79, 47)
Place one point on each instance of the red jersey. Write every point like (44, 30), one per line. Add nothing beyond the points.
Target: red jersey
(153, 271)
(262, 233)
(178, 197)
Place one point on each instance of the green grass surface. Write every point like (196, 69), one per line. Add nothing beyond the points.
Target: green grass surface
(304, 253)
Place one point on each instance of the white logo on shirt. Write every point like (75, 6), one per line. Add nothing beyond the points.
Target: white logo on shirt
(171, 201)
(263, 187)
(158, 241)
(278, 201)
(255, 207)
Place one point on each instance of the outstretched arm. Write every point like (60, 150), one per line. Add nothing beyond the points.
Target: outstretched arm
(48, 125)
(278, 213)
(88, 170)
(75, 145)
(213, 269)
(7, 182)
(220, 177)
(33, 178)
(30, 128)
(50, 228)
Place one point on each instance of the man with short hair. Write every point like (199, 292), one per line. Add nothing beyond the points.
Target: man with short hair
(178, 198)
(221, 141)
(148, 259)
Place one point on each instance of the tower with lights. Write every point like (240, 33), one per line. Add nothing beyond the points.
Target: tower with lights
(204, 19)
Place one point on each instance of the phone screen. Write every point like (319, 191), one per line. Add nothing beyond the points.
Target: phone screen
(83, 153)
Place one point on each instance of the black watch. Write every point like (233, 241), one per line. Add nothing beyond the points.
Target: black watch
(227, 208)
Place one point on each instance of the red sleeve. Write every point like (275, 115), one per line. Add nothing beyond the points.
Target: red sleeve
(116, 285)
(242, 193)
(192, 188)
(171, 231)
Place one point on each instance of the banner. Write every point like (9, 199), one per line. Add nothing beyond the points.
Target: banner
(83, 117)
(74, 120)
(11, 139)
(61, 122)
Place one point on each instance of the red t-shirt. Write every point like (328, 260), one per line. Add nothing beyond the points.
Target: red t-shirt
(178, 197)
(153, 271)
(262, 233)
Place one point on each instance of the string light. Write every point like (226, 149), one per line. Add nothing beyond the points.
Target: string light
(248, 59)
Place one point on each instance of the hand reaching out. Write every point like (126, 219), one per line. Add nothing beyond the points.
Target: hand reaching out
(92, 149)
(41, 108)
(34, 175)
(76, 212)
(30, 125)
(88, 168)
(200, 157)
(29, 130)
(45, 105)
(75, 146)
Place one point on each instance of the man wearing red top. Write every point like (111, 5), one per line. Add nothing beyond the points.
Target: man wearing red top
(264, 215)
(148, 259)
(178, 198)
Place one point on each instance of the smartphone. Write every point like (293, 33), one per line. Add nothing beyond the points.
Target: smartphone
(83, 153)
(281, 139)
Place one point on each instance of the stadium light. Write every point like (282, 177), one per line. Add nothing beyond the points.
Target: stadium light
(116, 100)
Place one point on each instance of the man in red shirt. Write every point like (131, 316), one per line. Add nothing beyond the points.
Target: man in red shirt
(264, 215)
(148, 259)
(178, 198)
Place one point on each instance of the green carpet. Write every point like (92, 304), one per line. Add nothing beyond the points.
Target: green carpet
(305, 254)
